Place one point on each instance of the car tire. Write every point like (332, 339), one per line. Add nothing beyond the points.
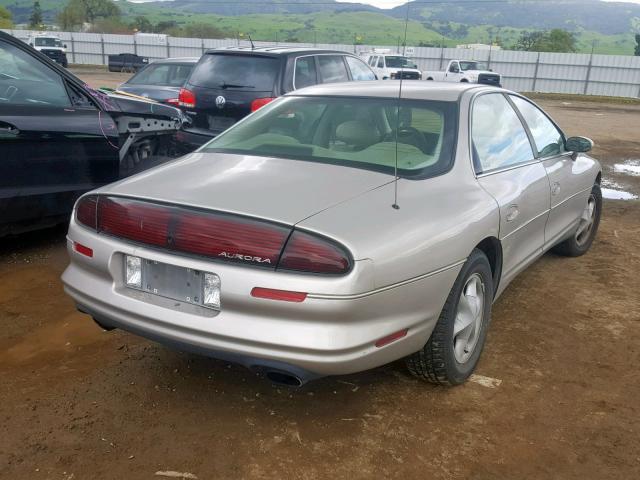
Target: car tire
(580, 241)
(446, 359)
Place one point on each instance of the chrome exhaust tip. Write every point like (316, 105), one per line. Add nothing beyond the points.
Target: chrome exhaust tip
(284, 379)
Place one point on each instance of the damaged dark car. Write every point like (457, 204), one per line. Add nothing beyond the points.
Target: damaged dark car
(60, 138)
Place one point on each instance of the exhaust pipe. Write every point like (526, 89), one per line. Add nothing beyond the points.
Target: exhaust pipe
(283, 378)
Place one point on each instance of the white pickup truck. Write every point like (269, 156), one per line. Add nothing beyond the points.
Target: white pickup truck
(468, 71)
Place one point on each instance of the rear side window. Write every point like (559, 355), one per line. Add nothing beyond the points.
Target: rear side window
(167, 74)
(381, 62)
(499, 139)
(243, 72)
(359, 69)
(305, 74)
(549, 140)
(332, 69)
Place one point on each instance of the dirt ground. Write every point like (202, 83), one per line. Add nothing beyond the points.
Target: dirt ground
(556, 395)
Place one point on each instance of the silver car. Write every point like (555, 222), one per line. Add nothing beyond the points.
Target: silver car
(338, 229)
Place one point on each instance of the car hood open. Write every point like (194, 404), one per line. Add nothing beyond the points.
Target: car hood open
(280, 190)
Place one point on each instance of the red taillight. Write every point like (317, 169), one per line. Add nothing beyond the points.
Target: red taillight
(186, 98)
(175, 102)
(392, 338)
(229, 238)
(221, 236)
(282, 295)
(86, 251)
(309, 253)
(86, 211)
(138, 221)
(258, 103)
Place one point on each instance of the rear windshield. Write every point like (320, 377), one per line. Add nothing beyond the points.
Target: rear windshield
(162, 74)
(399, 62)
(241, 72)
(357, 132)
(48, 42)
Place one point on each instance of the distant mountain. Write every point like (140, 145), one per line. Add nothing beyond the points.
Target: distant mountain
(609, 26)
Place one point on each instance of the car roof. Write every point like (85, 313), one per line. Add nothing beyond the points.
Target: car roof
(411, 89)
(277, 51)
(177, 60)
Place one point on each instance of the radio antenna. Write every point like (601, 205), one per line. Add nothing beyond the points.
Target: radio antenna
(395, 172)
(252, 45)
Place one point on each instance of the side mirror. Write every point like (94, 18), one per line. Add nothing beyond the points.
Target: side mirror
(579, 144)
(65, 46)
(31, 44)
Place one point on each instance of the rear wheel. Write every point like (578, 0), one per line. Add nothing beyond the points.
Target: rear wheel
(580, 242)
(453, 350)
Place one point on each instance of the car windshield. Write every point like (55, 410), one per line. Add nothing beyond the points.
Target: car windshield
(162, 74)
(48, 42)
(238, 72)
(464, 66)
(356, 132)
(399, 62)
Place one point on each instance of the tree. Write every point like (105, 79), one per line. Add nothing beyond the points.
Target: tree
(5, 18)
(637, 49)
(142, 24)
(528, 41)
(78, 12)
(556, 40)
(35, 20)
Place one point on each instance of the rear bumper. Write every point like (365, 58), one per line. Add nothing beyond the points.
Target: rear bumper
(327, 334)
(194, 138)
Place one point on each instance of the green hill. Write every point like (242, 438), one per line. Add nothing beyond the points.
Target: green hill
(608, 26)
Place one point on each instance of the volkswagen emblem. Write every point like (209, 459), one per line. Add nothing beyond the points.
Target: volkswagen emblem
(220, 101)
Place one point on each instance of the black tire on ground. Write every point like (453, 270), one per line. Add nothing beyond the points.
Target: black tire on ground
(436, 361)
(572, 247)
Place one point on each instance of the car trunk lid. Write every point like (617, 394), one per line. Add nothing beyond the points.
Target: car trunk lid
(280, 190)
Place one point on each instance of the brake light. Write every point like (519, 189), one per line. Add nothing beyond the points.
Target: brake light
(174, 102)
(282, 295)
(86, 211)
(186, 98)
(309, 253)
(138, 221)
(229, 238)
(216, 235)
(258, 103)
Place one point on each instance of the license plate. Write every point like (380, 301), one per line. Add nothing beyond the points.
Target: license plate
(220, 123)
(170, 281)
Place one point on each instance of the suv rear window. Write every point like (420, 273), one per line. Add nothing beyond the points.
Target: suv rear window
(242, 72)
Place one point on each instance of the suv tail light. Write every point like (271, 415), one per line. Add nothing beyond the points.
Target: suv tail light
(186, 98)
(258, 103)
(216, 235)
(309, 253)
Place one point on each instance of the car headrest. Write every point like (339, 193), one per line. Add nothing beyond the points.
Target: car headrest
(357, 133)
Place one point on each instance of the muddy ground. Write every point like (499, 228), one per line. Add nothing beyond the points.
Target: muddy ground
(561, 399)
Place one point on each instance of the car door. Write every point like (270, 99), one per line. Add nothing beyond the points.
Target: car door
(453, 73)
(506, 167)
(332, 69)
(570, 188)
(54, 143)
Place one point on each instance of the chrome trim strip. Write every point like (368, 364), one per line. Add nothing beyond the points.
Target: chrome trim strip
(356, 296)
(508, 168)
(525, 224)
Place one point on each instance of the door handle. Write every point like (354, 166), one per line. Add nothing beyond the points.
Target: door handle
(555, 188)
(512, 213)
(8, 130)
